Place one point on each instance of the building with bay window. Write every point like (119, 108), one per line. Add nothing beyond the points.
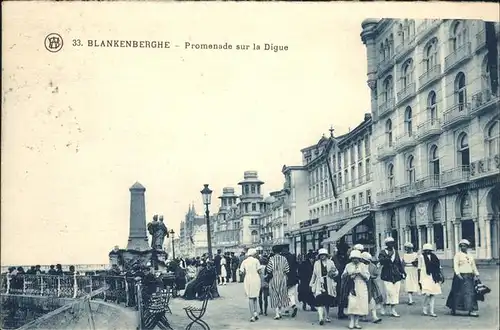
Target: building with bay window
(334, 184)
(436, 132)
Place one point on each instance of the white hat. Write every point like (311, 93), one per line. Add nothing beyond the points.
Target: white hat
(355, 254)
(427, 246)
(251, 252)
(366, 256)
(408, 245)
(388, 240)
(359, 247)
(464, 241)
(322, 251)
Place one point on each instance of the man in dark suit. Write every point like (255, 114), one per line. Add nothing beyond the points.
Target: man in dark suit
(235, 263)
(292, 277)
(217, 260)
(391, 274)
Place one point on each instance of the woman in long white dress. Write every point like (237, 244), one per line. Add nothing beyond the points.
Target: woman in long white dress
(223, 272)
(410, 259)
(430, 278)
(323, 285)
(357, 275)
(250, 267)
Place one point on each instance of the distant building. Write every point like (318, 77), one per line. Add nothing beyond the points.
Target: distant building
(191, 224)
(436, 132)
(316, 217)
(273, 222)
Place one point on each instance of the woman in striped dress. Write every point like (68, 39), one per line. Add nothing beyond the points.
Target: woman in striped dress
(277, 269)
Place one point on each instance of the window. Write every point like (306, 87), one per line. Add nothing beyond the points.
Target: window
(460, 91)
(402, 33)
(353, 198)
(340, 180)
(368, 169)
(335, 206)
(388, 132)
(361, 198)
(411, 169)
(341, 207)
(387, 91)
(434, 162)
(465, 207)
(408, 121)
(360, 149)
(367, 145)
(252, 189)
(339, 160)
(437, 226)
(467, 224)
(345, 157)
(353, 175)
(360, 173)
(407, 74)
(432, 107)
(458, 35)
(431, 55)
(413, 216)
(346, 177)
(334, 164)
(463, 151)
(368, 197)
(382, 52)
(485, 75)
(352, 149)
(390, 176)
(246, 207)
(493, 138)
(247, 190)
(347, 203)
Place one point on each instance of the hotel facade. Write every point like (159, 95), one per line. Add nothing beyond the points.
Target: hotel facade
(436, 133)
(319, 213)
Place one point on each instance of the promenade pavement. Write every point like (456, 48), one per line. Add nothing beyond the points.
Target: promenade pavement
(231, 312)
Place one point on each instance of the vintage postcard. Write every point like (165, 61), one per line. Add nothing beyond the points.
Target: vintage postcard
(226, 165)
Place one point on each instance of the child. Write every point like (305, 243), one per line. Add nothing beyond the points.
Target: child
(264, 288)
(375, 298)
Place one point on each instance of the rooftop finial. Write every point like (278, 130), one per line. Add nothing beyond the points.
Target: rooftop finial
(331, 131)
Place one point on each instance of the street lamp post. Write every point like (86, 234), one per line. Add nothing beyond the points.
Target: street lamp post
(207, 195)
(172, 233)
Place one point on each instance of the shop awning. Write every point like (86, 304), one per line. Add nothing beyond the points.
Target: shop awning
(344, 230)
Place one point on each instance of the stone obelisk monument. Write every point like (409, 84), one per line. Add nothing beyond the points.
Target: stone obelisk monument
(137, 238)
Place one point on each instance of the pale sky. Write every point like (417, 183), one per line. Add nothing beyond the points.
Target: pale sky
(79, 127)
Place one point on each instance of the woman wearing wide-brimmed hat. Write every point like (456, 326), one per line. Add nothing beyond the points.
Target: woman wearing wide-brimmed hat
(323, 285)
(430, 278)
(410, 259)
(462, 296)
(375, 298)
(391, 274)
(358, 275)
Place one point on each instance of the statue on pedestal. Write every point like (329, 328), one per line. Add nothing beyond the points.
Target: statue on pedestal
(158, 232)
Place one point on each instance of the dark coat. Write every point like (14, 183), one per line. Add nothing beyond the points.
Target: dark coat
(305, 273)
(392, 271)
(293, 274)
(217, 260)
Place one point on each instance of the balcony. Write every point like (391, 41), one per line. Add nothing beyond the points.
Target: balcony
(404, 142)
(457, 175)
(385, 65)
(406, 93)
(480, 40)
(404, 49)
(426, 28)
(385, 196)
(485, 167)
(385, 151)
(430, 76)
(405, 191)
(457, 114)
(458, 56)
(428, 184)
(428, 129)
(482, 101)
(386, 107)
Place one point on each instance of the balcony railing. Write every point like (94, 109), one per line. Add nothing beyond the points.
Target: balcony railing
(482, 100)
(385, 65)
(405, 191)
(457, 175)
(405, 141)
(427, 26)
(385, 196)
(385, 151)
(430, 76)
(456, 114)
(406, 92)
(429, 183)
(480, 40)
(428, 128)
(485, 167)
(404, 48)
(459, 55)
(386, 107)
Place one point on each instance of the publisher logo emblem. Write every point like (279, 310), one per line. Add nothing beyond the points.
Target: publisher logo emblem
(53, 42)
